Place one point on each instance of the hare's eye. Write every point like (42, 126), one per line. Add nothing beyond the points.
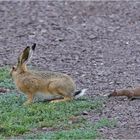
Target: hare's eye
(14, 68)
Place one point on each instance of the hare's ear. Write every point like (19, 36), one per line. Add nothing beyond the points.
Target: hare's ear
(24, 57)
(32, 49)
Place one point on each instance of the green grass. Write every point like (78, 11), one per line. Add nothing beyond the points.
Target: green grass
(66, 134)
(88, 131)
(5, 79)
(18, 121)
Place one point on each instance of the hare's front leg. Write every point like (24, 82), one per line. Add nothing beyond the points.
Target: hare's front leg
(29, 100)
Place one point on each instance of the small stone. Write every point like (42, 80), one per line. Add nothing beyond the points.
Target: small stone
(73, 119)
(3, 90)
(61, 39)
(44, 128)
(84, 113)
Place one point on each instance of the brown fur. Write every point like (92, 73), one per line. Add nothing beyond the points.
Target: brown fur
(130, 93)
(32, 82)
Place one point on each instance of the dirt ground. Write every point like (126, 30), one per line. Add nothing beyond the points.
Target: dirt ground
(97, 43)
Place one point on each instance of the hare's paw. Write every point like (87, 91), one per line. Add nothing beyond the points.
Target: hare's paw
(55, 101)
(61, 100)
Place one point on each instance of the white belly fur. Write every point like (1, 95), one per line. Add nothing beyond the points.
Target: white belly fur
(48, 96)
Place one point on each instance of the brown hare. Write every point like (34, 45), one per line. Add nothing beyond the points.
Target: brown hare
(60, 86)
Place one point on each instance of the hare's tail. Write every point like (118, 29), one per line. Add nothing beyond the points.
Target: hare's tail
(79, 93)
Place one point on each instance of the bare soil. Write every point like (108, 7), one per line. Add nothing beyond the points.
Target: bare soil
(95, 42)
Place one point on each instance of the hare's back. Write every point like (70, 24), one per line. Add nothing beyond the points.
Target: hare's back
(50, 75)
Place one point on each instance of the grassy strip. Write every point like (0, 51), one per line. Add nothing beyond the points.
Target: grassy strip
(20, 121)
(5, 79)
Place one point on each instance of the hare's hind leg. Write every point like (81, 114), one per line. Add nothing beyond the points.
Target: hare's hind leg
(58, 88)
(64, 96)
(62, 100)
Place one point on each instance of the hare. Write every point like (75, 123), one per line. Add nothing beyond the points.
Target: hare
(60, 86)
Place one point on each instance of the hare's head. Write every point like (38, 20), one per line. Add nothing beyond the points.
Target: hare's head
(23, 59)
(114, 93)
